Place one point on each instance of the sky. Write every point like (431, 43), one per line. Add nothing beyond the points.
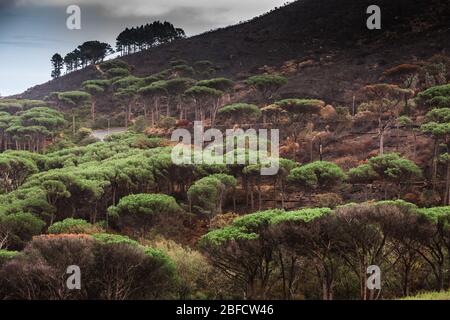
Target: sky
(31, 31)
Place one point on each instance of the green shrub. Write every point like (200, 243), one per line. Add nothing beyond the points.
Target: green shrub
(117, 72)
(20, 228)
(167, 123)
(145, 210)
(107, 238)
(430, 296)
(74, 226)
(240, 112)
(317, 175)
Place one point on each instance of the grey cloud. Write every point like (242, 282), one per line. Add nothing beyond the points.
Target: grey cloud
(6, 3)
(131, 8)
(193, 15)
(31, 41)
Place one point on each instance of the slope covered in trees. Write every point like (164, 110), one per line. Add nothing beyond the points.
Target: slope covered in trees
(361, 182)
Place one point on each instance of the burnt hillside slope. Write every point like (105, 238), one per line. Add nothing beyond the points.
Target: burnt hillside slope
(331, 34)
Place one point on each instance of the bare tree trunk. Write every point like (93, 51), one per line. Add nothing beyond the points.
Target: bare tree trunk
(381, 143)
(435, 151)
(93, 110)
(447, 185)
(73, 123)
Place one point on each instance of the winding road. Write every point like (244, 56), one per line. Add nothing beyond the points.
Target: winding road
(102, 134)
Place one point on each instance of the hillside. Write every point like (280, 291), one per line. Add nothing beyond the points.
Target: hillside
(358, 203)
(341, 54)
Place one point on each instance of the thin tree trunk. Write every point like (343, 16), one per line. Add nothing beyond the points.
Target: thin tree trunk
(73, 123)
(447, 185)
(93, 110)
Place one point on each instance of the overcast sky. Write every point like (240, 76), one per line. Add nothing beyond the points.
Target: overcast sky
(31, 31)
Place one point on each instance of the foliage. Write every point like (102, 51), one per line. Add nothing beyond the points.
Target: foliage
(210, 192)
(147, 36)
(438, 122)
(144, 210)
(317, 175)
(362, 174)
(73, 226)
(267, 85)
(240, 112)
(193, 271)
(392, 167)
(89, 52)
(57, 65)
(199, 92)
(116, 63)
(301, 106)
(30, 127)
(107, 238)
(222, 84)
(437, 214)
(6, 255)
(182, 70)
(430, 296)
(305, 215)
(14, 170)
(117, 73)
(139, 272)
(18, 228)
(435, 97)
(219, 236)
(72, 99)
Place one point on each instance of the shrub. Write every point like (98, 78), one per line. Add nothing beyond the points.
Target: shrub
(107, 238)
(362, 174)
(145, 210)
(116, 63)
(167, 123)
(267, 85)
(113, 268)
(138, 272)
(301, 106)
(82, 133)
(317, 175)
(222, 84)
(6, 255)
(183, 70)
(395, 168)
(140, 124)
(430, 296)
(193, 270)
(210, 192)
(117, 72)
(19, 228)
(40, 271)
(435, 97)
(240, 112)
(74, 226)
